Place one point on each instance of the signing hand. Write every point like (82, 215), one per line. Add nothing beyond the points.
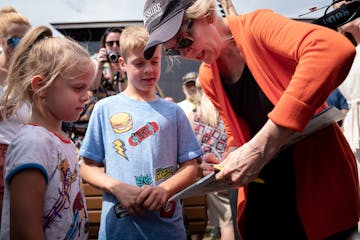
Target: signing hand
(208, 161)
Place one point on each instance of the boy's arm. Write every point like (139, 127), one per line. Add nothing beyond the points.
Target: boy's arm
(93, 173)
(153, 198)
(183, 177)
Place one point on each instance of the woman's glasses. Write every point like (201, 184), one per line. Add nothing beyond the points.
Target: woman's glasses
(12, 41)
(183, 42)
(111, 43)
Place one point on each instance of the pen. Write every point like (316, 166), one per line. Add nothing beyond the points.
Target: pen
(257, 180)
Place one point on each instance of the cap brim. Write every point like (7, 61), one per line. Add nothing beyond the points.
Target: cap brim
(163, 34)
(190, 80)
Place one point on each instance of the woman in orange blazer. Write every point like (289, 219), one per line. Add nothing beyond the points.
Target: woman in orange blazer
(268, 76)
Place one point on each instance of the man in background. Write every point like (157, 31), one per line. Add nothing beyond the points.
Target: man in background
(190, 91)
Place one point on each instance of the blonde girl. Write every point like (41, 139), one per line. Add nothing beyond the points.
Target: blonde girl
(42, 184)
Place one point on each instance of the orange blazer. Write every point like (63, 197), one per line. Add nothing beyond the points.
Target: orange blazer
(297, 65)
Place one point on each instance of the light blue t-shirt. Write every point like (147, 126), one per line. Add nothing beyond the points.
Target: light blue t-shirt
(140, 143)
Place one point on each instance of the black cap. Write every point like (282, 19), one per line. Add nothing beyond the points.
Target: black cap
(162, 19)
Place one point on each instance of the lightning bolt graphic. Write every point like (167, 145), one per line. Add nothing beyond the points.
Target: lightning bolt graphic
(120, 148)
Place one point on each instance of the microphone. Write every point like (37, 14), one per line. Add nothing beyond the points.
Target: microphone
(340, 16)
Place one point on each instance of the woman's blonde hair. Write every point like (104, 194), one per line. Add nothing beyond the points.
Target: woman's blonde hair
(39, 53)
(133, 37)
(8, 15)
(200, 8)
(204, 107)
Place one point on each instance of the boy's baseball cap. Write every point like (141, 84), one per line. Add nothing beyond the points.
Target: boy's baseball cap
(162, 19)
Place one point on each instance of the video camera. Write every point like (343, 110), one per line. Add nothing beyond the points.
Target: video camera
(342, 15)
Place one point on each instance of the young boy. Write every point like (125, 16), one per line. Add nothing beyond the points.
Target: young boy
(148, 149)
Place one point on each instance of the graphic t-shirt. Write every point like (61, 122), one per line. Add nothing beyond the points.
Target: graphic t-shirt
(64, 214)
(140, 143)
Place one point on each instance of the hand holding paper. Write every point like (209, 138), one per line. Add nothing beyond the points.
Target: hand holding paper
(218, 168)
(209, 183)
(208, 162)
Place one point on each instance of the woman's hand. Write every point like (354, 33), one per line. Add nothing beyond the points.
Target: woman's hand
(102, 55)
(245, 163)
(242, 165)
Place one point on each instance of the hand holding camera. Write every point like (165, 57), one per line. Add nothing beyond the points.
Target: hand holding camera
(108, 56)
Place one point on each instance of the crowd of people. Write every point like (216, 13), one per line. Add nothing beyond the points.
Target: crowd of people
(104, 119)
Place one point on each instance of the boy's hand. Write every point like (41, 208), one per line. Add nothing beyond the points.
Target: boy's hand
(126, 195)
(152, 198)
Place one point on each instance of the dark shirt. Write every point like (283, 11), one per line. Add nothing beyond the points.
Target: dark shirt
(272, 204)
(249, 101)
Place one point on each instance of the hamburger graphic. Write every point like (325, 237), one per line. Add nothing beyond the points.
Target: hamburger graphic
(121, 122)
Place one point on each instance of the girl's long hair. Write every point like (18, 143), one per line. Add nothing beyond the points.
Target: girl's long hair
(41, 54)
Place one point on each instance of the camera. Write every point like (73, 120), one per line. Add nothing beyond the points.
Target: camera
(113, 56)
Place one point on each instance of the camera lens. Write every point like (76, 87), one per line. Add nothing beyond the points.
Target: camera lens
(113, 57)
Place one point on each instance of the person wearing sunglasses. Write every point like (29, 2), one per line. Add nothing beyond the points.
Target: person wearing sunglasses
(13, 27)
(268, 76)
(109, 73)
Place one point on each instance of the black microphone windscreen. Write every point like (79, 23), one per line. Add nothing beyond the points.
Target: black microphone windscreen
(340, 16)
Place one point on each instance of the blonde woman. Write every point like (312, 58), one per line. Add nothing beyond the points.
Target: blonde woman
(13, 27)
(268, 76)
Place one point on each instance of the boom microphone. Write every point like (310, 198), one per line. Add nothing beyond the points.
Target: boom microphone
(340, 16)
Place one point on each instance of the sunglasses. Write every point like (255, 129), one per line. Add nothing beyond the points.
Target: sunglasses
(111, 43)
(183, 42)
(12, 41)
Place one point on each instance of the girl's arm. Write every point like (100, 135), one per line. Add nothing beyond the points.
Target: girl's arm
(26, 204)
(153, 198)
(93, 173)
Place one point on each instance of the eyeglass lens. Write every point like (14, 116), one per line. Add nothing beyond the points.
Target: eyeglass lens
(13, 41)
(111, 43)
(183, 42)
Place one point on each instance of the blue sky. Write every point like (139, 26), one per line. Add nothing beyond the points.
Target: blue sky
(42, 12)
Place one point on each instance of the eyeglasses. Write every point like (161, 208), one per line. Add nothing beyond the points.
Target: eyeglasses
(12, 41)
(111, 43)
(183, 42)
